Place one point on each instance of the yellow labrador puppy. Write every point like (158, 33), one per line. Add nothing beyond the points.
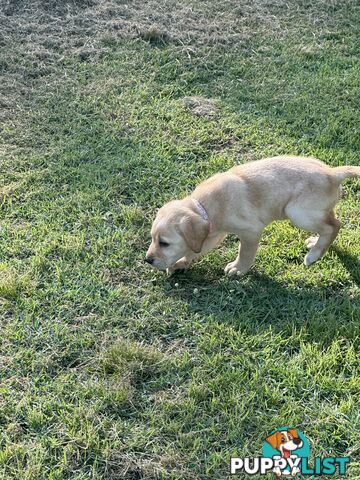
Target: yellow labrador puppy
(243, 201)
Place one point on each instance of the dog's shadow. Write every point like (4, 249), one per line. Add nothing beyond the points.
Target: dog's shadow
(258, 302)
(350, 262)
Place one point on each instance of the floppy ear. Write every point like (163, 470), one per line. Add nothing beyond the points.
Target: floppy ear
(273, 440)
(293, 432)
(195, 230)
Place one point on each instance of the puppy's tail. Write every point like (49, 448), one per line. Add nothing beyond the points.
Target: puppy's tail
(346, 172)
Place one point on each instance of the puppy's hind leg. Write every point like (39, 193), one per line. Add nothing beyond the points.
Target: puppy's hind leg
(328, 231)
(323, 223)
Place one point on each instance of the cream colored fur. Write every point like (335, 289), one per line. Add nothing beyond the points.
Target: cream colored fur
(242, 201)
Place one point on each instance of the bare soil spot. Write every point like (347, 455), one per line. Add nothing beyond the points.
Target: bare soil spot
(202, 107)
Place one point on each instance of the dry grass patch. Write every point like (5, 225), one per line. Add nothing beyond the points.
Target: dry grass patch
(200, 106)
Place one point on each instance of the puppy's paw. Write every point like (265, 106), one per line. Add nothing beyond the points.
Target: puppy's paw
(311, 242)
(175, 269)
(180, 270)
(295, 471)
(172, 270)
(180, 266)
(232, 269)
(312, 256)
(277, 471)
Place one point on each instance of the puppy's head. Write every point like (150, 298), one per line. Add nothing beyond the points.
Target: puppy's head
(176, 232)
(285, 441)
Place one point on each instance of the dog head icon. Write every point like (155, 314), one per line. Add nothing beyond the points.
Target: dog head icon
(285, 441)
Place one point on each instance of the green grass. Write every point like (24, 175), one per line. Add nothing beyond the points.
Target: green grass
(110, 370)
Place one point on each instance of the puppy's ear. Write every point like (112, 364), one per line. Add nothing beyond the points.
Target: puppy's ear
(195, 230)
(273, 440)
(293, 432)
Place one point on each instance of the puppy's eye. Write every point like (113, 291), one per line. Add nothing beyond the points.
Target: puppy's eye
(283, 439)
(163, 244)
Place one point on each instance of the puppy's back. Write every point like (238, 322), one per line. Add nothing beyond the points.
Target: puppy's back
(281, 164)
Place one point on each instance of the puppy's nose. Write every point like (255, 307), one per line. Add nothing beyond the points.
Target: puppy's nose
(149, 260)
(297, 441)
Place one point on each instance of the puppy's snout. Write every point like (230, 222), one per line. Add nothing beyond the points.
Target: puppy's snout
(297, 441)
(149, 260)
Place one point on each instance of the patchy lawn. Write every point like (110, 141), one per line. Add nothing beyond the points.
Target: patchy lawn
(110, 370)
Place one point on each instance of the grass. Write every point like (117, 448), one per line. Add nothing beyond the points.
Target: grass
(110, 370)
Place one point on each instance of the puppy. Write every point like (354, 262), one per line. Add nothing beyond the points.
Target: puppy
(285, 442)
(242, 201)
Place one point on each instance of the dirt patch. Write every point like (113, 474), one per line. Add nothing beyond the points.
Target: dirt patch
(202, 107)
(155, 36)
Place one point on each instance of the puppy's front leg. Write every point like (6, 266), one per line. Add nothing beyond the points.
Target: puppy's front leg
(182, 264)
(247, 251)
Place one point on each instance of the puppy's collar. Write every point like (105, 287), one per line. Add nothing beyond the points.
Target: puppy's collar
(203, 212)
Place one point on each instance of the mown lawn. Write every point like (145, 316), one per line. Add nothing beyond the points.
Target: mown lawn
(110, 370)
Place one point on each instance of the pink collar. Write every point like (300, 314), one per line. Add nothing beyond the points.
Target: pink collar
(203, 213)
